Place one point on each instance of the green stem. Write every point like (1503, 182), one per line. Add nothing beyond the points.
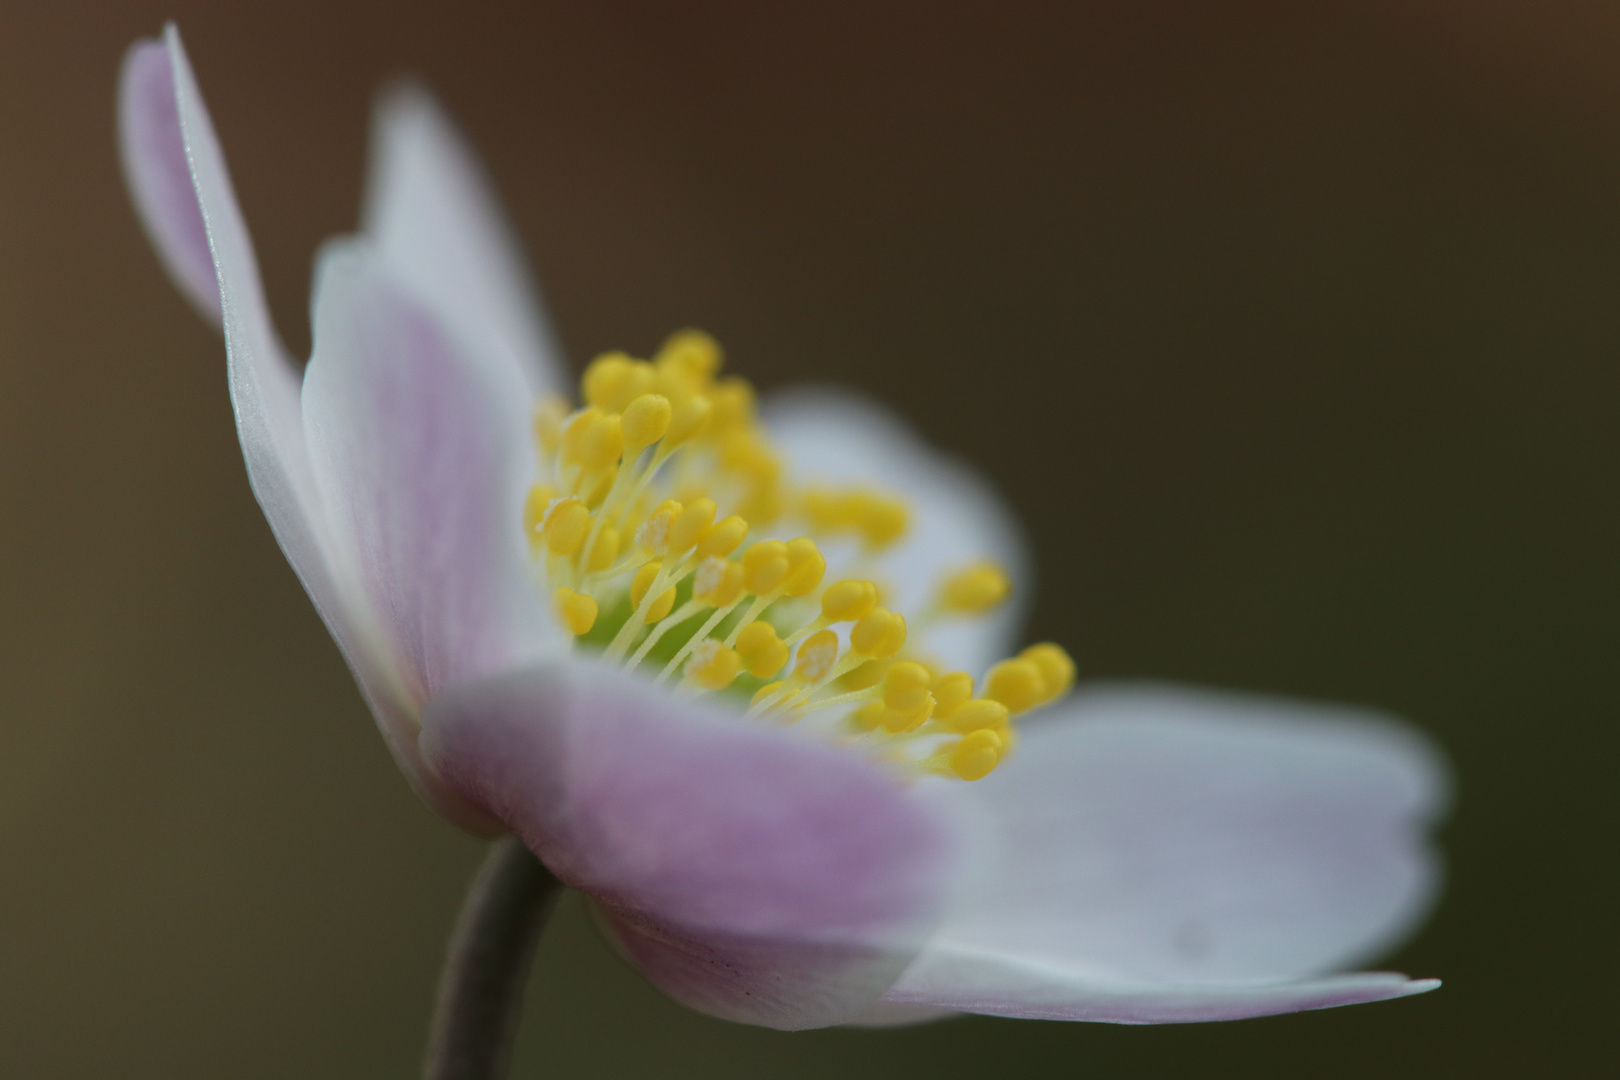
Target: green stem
(480, 1001)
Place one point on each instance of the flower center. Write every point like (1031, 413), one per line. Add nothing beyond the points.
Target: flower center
(651, 525)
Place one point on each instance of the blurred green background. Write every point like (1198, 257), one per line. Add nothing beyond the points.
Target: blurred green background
(1289, 329)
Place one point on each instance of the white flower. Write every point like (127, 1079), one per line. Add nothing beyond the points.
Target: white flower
(509, 584)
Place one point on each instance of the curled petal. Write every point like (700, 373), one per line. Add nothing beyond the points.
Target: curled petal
(420, 453)
(433, 217)
(1155, 837)
(752, 873)
(837, 437)
(159, 177)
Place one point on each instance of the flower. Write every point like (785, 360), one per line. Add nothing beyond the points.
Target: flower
(805, 811)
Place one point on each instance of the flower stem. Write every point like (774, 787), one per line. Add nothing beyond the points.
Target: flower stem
(480, 1002)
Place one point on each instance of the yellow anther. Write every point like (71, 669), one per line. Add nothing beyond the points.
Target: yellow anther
(638, 592)
(951, 692)
(653, 536)
(576, 611)
(564, 526)
(535, 507)
(548, 423)
(690, 525)
(713, 666)
(763, 653)
(762, 504)
(806, 567)
(605, 550)
(1057, 670)
(905, 677)
(723, 538)
(898, 721)
(817, 655)
(1017, 684)
(599, 485)
(593, 439)
(848, 601)
(879, 633)
(733, 401)
(975, 715)
(975, 589)
(864, 677)
(613, 380)
(691, 419)
(906, 695)
(744, 453)
(869, 717)
(717, 582)
(765, 564)
(881, 519)
(645, 421)
(688, 359)
(975, 757)
(826, 511)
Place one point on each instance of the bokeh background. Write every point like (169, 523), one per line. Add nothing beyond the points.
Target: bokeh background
(1289, 329)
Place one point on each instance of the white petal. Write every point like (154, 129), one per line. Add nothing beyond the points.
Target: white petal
(434, 217)
(1014, 986)
(1153, 835)
(265, 395)
(835, 436)
(423, 457)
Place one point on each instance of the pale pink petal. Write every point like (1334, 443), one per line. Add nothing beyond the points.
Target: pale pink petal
(842, 438)
(1149, 836)
(264, 383)
(752, 872)
(1021, 987)
(159, 177)
(433, 215)
(423, 457)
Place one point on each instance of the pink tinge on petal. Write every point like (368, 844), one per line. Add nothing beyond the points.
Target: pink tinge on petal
(159, 177)
(423, 458)
(1009, 986)
(753, 873)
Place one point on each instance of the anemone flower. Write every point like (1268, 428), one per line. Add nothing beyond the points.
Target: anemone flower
(611, 630)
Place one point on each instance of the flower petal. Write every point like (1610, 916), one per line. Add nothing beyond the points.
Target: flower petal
(159, 177)
(264, 383)
(1015, 986)
(423, 458)
(752, 872)
(838, 437)
(433, 216)
(1151, 836)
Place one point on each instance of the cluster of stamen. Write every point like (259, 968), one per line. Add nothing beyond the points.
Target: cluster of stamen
(628, 533)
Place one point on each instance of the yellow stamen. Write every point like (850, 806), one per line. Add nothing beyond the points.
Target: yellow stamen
(645, 421)
(763, 653)
(976, 756)
(975, 590)
(638, 592)
(575, 611)
(1017, 684)
(880, 633)
(713, 666)
(564, 526)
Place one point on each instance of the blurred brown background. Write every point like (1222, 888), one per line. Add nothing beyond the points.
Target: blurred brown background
(1291, 334)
